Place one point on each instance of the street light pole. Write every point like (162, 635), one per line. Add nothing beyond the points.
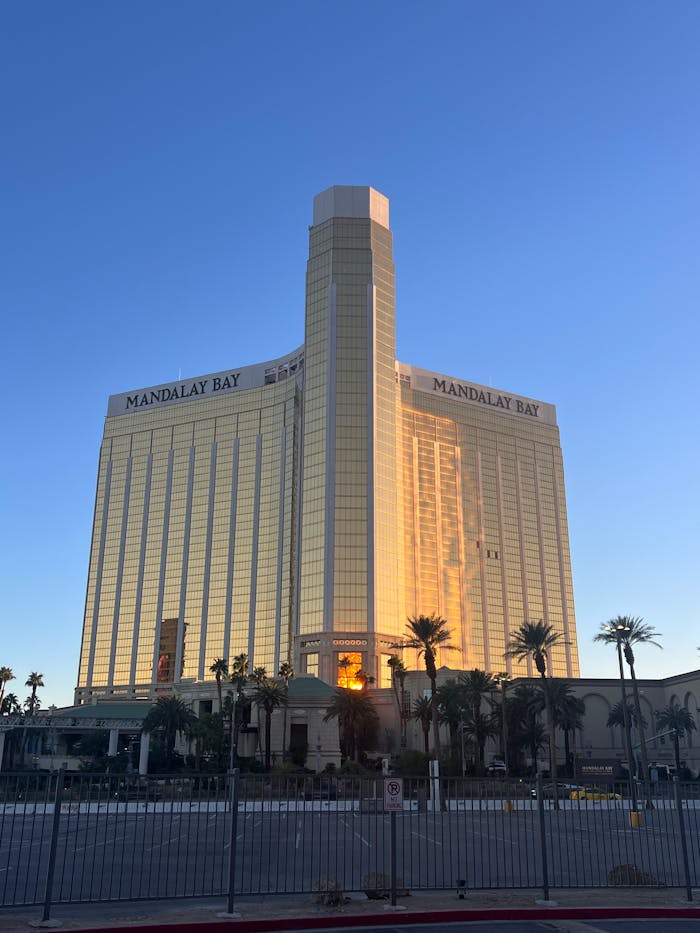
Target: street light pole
(620, 631)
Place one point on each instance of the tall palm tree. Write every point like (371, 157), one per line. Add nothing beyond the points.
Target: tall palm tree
(34, 681)
(285, 674)
(268, 696)
(6, 675)
(169, 716)
(523, 709)
(535, 640)
(423, 713)
(428, 634)
(477, 685)
(220, 670)
(633, 632)
(357, 720)
(398, 682)
(677, 718)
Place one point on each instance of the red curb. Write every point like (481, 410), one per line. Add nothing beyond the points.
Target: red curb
(391, 918)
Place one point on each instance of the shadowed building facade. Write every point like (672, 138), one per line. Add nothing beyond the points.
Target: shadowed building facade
(302, 508)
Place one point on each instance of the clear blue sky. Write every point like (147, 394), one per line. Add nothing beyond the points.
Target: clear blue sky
(158, 164)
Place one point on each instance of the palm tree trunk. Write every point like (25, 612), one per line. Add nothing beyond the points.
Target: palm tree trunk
(642, 743)
(677, 751)
(434, 711)
(426, 739)
(552, 741)
(268, 734)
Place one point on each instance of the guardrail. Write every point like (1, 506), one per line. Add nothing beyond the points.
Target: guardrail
(78, 838)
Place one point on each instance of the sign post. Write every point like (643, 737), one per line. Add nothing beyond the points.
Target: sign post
(393, 803)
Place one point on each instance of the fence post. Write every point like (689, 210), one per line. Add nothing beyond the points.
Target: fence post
(392, 817)
(543, 837)
(53, 845)
(681, 830)
(232, 842)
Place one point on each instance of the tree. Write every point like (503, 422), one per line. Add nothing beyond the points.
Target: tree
(535, 640)
(220, 670)
(357, 720)
(632, 631)
(477, 685)
(362, 677)
(285, 673)
(428, 634)
(344, 664)
(169, 716)
(616, 716)
(34, 681)
(568, 711)
(423, 713)
(268, 696)
(451, 707)
(480, 727)
(398, 682)
(6, 675)
(11, 705)
(239, 673)
(676, 718)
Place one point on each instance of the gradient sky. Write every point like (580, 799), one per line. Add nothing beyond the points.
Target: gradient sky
(158, 164)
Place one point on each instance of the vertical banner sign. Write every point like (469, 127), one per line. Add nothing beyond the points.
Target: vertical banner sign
(393, 794)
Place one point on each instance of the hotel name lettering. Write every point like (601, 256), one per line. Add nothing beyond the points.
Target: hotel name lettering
(183, 390)
(472, 394)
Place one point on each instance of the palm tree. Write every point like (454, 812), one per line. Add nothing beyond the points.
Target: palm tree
(480, 727)
(451, 707)
(285, 673)
(170, 715)
(423, 713)
(616, 716)
(34, 681)
(362, 677)
(268, 696)
(6, 675)
(676, 718)
(239, 673)
(10, 705)
(477, 684)
(523, 709)
(357, 720)
(398, 682)
(220, 669)
(502, 680)
(632, 631)
(344, 664)
(427, 634)
(535, 640)
(568, 711)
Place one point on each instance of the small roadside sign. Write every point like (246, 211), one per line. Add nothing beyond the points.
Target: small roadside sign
(393, 793)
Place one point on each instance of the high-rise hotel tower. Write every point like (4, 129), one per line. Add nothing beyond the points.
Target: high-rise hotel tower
(303, 508)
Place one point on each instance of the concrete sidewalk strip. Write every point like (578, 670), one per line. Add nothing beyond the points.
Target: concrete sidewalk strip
(280, 914)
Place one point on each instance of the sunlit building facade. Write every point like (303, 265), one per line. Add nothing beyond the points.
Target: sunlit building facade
(302, 508)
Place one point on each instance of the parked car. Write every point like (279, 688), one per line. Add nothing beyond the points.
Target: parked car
(497, 766)
(564, 791)
(594, 793)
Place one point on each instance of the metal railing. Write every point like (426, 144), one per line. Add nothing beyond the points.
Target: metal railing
(78, 838)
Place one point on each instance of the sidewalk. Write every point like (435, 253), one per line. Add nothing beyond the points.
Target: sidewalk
(286, 912)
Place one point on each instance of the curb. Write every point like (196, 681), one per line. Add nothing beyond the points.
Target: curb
(416, 917)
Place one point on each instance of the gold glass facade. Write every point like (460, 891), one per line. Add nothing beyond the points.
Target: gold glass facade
(305, 507)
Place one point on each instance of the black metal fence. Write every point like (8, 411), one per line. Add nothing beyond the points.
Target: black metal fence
(71, 838)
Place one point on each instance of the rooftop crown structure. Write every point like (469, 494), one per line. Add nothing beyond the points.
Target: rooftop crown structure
(303, 508)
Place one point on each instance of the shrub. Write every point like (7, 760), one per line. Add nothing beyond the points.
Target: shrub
(327, 892)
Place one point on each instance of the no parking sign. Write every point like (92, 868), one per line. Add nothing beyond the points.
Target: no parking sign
(393, 793)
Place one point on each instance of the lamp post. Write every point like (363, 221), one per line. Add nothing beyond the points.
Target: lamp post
(502, 681)
(622, 629)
